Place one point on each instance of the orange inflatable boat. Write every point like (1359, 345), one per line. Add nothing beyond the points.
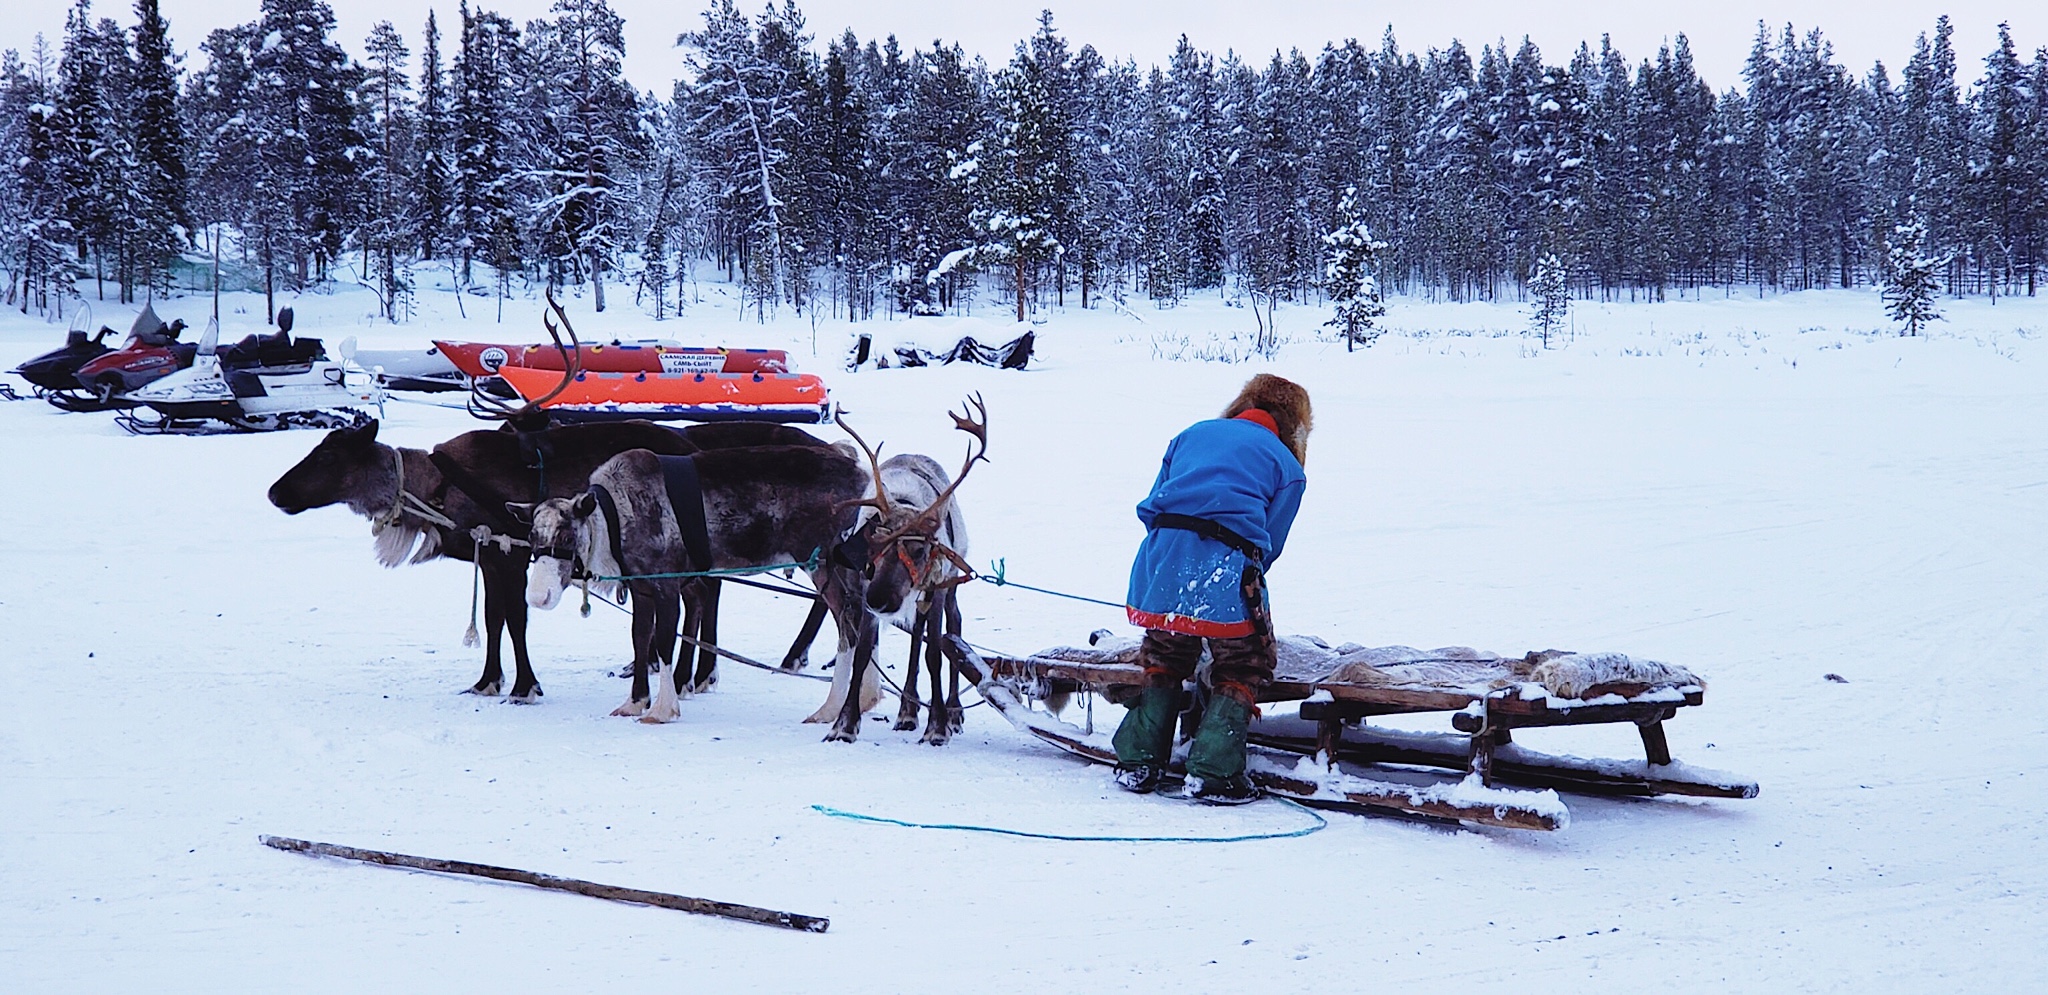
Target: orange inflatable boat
(598, 396)
(482, 359)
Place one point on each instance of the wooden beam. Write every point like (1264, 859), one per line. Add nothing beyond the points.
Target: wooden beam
(701, 906)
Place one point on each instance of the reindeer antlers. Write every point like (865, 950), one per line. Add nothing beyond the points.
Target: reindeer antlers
(975, 424)
(880, 502)
(485, 406)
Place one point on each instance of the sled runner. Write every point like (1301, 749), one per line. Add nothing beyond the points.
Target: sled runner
(780, 397)
(1490, 696)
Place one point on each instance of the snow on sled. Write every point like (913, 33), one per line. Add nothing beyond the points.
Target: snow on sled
(1325, 752)
(702, 397)
(483, 359)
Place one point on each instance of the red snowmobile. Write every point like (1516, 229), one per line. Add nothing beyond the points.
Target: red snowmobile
(151, 353)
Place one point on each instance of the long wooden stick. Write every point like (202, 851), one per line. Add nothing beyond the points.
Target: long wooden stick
(701, 906)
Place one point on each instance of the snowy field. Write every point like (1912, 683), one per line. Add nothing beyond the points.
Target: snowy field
(1766, 491)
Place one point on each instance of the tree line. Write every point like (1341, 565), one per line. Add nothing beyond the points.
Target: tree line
(857, 178)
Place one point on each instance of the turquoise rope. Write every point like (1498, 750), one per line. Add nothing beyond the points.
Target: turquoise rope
(1321, 823)
(996, 577)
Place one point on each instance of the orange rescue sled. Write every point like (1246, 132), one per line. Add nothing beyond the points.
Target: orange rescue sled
(782, 397)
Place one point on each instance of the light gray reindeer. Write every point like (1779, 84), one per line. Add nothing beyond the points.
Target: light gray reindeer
(914, 564)
(921, 583)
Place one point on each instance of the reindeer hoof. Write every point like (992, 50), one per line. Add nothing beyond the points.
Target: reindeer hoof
(838, 735)
(630, 709)
(659, 716)
(625, 671)
(487, 689)
(905, 723)
(530, 696)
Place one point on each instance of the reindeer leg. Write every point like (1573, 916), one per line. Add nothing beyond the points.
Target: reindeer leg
(494, 624)
(939, 725)
(956, 717)
(707, 661)
(799, 655)
(847, 728)
(643, 648)
(906, 710)
(668, 677)
(525, 686)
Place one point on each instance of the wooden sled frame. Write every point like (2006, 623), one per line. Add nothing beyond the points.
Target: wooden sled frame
(1331, 727)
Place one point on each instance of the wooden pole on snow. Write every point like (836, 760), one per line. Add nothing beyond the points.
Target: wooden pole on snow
(701, 906)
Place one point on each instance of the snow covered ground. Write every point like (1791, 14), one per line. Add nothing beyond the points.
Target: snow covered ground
(1764, 491)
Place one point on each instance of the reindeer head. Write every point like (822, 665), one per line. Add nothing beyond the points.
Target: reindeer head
(568, 543)
(904, 554)
(347, 467)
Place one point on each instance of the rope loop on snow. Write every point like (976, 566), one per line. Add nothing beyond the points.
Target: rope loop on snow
(1321, 823)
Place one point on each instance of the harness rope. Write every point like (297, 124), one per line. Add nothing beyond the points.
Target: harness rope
(1321, 823)
(998, 579)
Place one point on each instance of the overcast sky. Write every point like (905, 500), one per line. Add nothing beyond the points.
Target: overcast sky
(1720, 32)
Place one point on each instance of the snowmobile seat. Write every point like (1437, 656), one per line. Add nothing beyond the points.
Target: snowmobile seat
(279, 349)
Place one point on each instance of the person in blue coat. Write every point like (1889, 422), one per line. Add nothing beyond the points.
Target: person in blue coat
(1216, 519)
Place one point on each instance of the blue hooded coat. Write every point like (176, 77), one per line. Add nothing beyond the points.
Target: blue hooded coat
(1234, 472)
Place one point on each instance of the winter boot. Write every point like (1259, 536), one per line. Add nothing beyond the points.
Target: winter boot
(1144, 740)
(1216, 759)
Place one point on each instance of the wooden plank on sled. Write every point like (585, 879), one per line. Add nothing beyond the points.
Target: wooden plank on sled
(1512, 764)
(1489, 808)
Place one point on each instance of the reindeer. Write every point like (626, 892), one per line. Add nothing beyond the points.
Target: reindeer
(914, 548)
(921, 585)
(429, 505)
(762, 506)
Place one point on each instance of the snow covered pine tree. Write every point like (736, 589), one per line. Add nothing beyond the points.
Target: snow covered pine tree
(1909, 291)
(1349, 277)
(1553, 297)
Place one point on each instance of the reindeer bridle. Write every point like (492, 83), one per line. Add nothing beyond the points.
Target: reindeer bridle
(923, 527)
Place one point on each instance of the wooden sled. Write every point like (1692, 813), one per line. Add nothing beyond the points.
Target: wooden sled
(1506, 784)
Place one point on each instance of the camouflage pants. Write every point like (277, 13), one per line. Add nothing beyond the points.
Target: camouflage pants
(1239, 666)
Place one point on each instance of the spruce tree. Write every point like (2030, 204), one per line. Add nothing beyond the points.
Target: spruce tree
(1910, 290)
(160, 149)
(1350, 275)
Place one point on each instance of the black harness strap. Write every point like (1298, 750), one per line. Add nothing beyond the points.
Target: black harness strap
(612, 524)
(493, 507)
(1212, 530)
(686, 496)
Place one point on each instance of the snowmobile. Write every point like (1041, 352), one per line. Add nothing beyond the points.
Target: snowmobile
(424, 370)
(58, 369)
(151, 353)
(261, 383)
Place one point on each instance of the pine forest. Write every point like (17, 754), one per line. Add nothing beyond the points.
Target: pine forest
(856, 179)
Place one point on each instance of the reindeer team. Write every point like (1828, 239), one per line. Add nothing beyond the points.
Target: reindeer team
(539, 508)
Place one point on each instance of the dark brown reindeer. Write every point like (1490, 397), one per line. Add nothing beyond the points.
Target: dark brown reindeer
(428, 505)
(762, 506)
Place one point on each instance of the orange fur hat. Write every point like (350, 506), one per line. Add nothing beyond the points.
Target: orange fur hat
(1288, 405)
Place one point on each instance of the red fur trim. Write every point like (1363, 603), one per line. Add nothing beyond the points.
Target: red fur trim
(1188, 626)
(1257, 417)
